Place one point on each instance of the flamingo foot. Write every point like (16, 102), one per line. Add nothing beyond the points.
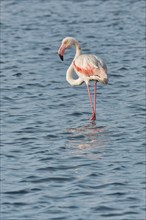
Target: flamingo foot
(93, 117)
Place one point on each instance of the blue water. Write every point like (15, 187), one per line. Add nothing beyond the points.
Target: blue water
(55, 164)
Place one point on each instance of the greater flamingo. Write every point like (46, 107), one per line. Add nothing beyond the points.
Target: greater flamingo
(88, 67)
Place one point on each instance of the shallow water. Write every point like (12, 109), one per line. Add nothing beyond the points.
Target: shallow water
(55, 163)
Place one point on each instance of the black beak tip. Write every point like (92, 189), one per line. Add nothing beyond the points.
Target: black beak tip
(61, 57)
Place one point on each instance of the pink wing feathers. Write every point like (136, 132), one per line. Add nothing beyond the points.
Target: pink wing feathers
(91, 67)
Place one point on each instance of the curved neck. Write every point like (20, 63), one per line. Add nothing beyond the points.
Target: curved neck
(78, 49)
(69, 78)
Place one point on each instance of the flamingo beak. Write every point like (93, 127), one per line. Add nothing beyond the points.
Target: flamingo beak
(61, 57)
(61, 51)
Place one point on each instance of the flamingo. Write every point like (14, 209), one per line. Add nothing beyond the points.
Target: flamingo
(87, 67)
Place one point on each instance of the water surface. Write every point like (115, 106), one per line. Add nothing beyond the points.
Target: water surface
(55, 163)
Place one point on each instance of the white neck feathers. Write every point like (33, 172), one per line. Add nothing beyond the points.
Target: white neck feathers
(69, 78)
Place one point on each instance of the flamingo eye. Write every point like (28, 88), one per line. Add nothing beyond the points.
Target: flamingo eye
(66, 42)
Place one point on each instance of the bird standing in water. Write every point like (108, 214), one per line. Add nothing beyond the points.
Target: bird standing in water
(87, 66)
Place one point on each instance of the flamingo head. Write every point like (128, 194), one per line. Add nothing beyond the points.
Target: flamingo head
(66, 43)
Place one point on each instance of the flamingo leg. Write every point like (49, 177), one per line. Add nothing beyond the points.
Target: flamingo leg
(95, 85)
(93, 117)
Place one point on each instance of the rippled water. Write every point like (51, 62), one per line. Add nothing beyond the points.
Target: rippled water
(55, 163)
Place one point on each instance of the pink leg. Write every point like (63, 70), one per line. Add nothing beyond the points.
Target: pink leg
(95, 83)
(93, 117)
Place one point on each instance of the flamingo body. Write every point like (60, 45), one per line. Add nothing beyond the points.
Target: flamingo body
(87, 66)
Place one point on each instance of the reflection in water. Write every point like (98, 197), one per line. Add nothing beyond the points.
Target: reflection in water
(87, 136)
